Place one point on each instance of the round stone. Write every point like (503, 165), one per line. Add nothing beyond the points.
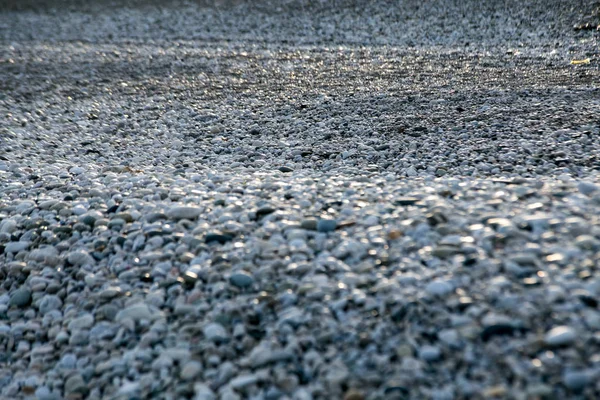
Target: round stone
(241, 279)
(560, 336)
(215, 332)
(20, 297)
(190, 370)
(576, 380)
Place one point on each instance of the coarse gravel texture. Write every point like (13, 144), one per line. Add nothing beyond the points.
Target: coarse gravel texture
(299, 200)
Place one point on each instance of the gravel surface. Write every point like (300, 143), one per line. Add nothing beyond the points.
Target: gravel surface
(284, 200)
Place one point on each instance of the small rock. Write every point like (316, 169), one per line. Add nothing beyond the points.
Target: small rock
(326, 225)
(439, 287)
(576, 380)
(20, 297)
(138, 312)
(285, 169)
(429, 353)
(242, 381)
(190, 370)
(203, 392)
(406, 201)
(354, 394)
(309, 224)
(184, 212)
(15, 247)
(560, 336)
(445, 251)
(261, 212)
(215, 332)
(75, 384)
(80, 258)
(83, 322)
(49, 303)
(217, 237)
(587, 188)
(241, 279)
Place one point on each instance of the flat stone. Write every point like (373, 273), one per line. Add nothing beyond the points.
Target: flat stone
(406, 201)
(184, 212)
(445, 251)
(15, 247)
(242, 381)
(560, 336)
(217, 237)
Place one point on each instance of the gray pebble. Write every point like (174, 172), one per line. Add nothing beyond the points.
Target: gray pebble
(184, 212)
(576, 380)
(215, 332)
(560, 336)
(429, 353)
(20, 297)
(326, 225)
(241, 279)
(49, 303)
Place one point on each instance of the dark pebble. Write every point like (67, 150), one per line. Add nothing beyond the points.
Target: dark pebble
(405, 201)
(498, 329)
(217, 237)
(261, 212)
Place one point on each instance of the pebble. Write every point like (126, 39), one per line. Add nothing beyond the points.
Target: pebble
(439, 288)
(326, 225)
(15, 247)
(138, 312)
(75, 384)
(560, 336)
(20, 297)
(184, 212)
(576, 380)
(80, 258)
(49, 303)
(215, 333)
(242, 381)
(241, 280)
(82, 322)
(587, 188)
(429, 353)
(190, 370)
